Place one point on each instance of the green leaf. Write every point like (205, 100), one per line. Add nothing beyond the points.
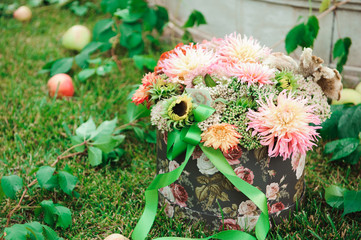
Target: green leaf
(16, 232)
(62, 65)
(56, 213)
(334, 196)
(127, 16)
(104, 142)
(79, 10)
(95, 156)
(137, 6)
(151, 137)
(92, 47)
(209, 81)
(32, 230)
(354, 157)
(105, 128)
(187, 37)
(341, 148)
(352, 202)
(67, 182)
(11, 185)
(48, 209)
(195, 18)
(135, 112)
(328, 127)
(49, 233)
(139, 133)
(46, 178)
(324, 5)
(338, 49)
(85, 129)
(95, 61)
(142, 61)
(149, 19)
(313, 26)
(35, 3)
(349, 125)
(162, 18)
(75, 140)
(294, 37)
(85, 74)
(341, 50)
(46, 68)
(36, 230)
(103, 32)
(82, 59)
(64, 216)
(110, 6)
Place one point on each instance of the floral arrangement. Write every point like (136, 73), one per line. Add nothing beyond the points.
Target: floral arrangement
(260, 98)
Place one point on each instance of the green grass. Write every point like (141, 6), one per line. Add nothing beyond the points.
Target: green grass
(111, 197)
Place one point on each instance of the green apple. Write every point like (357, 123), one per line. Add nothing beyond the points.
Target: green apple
(358, 88)
(76, 37)
(348, 96)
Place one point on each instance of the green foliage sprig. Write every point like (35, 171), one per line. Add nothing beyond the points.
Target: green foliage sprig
(341, 198)
(304, 34)
(345, 126)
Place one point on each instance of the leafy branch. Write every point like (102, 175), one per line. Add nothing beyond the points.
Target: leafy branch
(35, 181)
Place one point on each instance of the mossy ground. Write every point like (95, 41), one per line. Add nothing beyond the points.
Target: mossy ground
(112, 197)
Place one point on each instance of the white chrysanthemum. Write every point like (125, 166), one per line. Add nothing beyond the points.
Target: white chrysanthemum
(237, 49)
(188, 62)
(157, 119)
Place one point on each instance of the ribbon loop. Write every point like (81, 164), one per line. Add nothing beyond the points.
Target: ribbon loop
(186, 140)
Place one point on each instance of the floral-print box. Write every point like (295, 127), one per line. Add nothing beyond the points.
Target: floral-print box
(195, 194)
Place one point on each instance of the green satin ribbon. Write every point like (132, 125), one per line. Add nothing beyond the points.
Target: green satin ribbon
(186, 140)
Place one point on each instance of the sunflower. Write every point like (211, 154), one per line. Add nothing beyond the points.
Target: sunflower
(178, 111)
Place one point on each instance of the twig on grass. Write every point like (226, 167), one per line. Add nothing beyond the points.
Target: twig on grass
(61, 156)
(112, 52)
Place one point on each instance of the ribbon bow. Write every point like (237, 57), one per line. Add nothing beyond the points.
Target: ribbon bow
(186, 140)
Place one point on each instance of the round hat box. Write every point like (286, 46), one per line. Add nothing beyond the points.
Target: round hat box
(203, 194)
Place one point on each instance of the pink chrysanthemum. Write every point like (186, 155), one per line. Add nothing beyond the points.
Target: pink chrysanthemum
(141, 95)
(188, 62)
(252, 73)
(285, 127)
(238, 49)
(223, 136)
(149, 79)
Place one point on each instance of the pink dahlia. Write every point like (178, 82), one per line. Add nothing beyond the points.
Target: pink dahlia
(243, 50)
(149, 79)
(188, 62)
(285, 127)
(141, 95)
(252, 73)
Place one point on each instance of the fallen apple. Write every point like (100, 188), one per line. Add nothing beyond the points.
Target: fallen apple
(76, 37)
(22, 14)
(116, 236)
(65, 83)
(348, 96)
(358, 88)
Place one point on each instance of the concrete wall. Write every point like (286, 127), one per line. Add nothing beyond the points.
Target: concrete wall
(270, 20)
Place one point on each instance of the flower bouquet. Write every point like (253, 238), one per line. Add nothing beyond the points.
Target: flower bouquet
(237, 110)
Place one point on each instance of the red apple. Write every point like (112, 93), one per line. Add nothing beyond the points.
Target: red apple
(66, 88)
(76, 37)
(22, 14)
